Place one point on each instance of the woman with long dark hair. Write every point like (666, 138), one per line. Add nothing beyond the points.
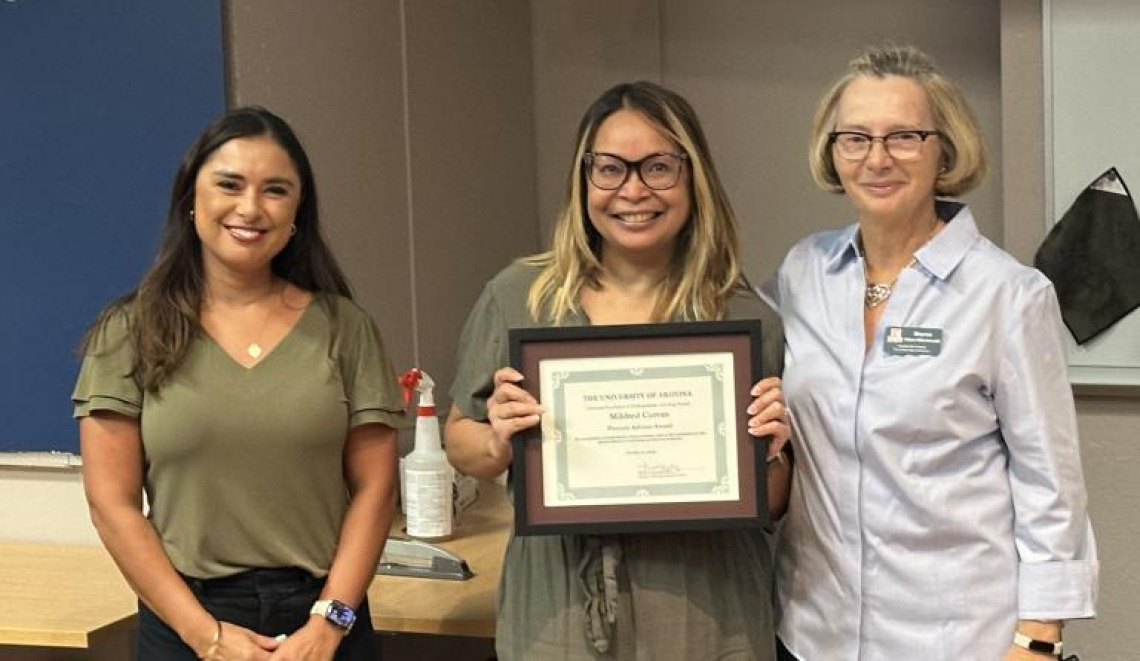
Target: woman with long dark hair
(241, 389)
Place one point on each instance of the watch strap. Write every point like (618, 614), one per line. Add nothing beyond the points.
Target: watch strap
(337, 613)
(1039, 646)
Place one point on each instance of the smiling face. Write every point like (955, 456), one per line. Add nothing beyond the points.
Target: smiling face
(246, 196)
(635, 221)
(878, 186)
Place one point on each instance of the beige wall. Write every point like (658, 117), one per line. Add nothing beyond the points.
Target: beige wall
(1110, 427)
(441, 133)
(472, 160)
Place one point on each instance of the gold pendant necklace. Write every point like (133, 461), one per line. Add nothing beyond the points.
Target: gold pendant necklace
(254, 349)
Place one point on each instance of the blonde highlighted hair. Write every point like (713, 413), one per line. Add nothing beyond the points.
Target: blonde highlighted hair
(705, 269)
(964, 160)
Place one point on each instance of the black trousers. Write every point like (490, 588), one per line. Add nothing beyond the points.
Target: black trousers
(268, 601)
(782, 653)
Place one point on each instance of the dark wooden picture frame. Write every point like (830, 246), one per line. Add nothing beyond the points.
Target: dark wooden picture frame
(530, 346)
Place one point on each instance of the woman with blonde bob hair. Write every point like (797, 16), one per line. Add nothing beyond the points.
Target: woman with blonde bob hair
(963, 160)
(646, 235)
(939, 510)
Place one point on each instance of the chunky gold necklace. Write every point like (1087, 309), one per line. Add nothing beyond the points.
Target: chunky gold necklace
(875, 294)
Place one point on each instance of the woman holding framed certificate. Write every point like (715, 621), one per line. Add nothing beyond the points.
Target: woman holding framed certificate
(646, 236)
(939, 510)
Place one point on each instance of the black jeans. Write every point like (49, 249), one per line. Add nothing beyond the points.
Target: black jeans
(268, 601)
(782, 653)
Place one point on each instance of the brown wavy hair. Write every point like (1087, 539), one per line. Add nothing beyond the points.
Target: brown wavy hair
(162, 312)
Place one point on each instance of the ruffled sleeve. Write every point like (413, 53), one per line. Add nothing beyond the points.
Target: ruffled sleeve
(370, 382)
(104, 382)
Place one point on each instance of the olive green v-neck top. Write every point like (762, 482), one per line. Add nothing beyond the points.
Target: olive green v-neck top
(244, 466)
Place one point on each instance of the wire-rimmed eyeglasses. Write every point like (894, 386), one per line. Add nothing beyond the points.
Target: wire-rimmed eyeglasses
(659, 171)
(900, 145)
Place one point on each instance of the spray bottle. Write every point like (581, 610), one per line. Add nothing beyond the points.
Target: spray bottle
(427, 477)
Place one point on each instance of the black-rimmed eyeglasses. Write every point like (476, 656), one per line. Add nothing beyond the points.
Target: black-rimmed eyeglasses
(657, 171)
(900, 145)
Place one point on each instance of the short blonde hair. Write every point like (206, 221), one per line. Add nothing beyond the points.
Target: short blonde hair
(964, 160)
(705, 269)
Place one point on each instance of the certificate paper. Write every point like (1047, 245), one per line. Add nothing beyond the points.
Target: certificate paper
(638, 429)
(643, 429)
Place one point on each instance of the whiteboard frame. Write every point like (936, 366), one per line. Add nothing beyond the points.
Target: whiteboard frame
(1081, 372)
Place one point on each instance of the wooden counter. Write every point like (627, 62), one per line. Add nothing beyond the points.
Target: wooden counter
(455, 608)
(75, 597)
(59, 596)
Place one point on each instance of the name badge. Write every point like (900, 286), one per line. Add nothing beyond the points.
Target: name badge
(910, 341)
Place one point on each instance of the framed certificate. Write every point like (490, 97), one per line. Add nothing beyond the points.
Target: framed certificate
(644, 429)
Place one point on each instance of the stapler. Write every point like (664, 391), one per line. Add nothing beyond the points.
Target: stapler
(411, 557)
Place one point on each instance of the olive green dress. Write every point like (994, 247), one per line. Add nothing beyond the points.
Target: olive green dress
(649, 597)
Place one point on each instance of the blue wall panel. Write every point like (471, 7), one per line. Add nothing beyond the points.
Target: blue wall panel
(98, 102)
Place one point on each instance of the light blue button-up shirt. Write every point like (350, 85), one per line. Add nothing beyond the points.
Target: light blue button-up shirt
(938, 494)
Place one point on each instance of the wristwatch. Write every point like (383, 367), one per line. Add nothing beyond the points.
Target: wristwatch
(338, 613)
(1039, 646)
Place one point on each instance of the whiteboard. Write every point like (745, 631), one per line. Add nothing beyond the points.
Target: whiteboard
(1092, 122)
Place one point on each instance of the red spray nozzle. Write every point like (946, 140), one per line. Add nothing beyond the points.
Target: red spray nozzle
(408, 381)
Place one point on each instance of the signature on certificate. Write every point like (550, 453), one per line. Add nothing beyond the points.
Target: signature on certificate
(650, 470)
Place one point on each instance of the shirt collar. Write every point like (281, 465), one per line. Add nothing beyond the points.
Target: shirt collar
(845, 249)
(940, 256)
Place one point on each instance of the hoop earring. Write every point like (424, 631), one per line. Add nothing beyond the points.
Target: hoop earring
(293, 229)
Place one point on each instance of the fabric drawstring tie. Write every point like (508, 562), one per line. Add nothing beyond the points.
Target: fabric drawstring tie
(597, 574)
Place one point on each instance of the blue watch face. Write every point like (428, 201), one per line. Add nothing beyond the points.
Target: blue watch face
(340, 615)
